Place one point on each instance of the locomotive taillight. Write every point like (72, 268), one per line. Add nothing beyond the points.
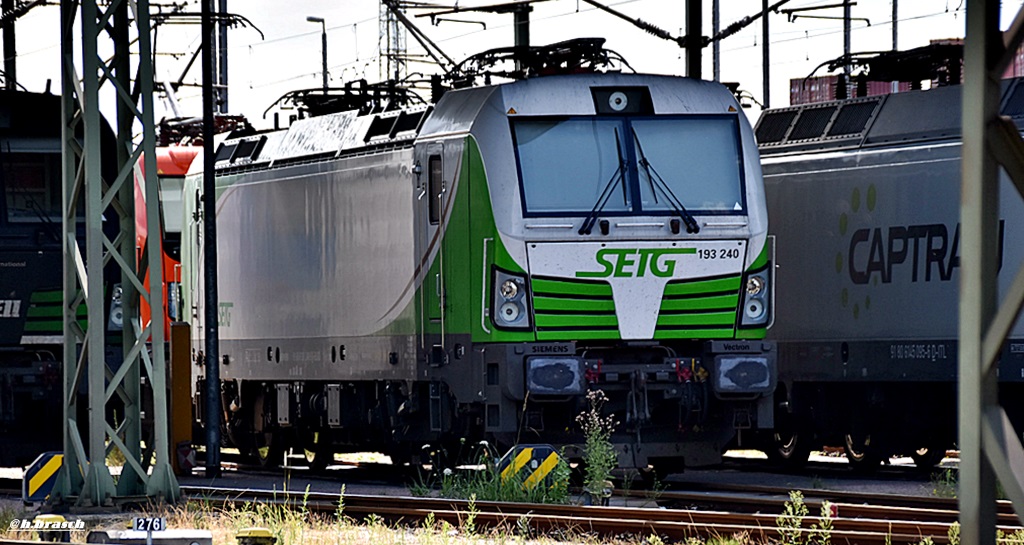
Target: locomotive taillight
(754, 310)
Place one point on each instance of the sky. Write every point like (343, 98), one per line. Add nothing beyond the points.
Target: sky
(288, 54)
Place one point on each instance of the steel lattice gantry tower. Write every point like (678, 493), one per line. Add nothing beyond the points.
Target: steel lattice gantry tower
(109, 412)
(990, 447)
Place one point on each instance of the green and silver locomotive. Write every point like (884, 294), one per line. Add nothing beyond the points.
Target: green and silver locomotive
(468, 270)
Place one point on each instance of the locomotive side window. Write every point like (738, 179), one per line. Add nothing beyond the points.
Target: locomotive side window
(171, 206)
(435, 189)
(32, 188)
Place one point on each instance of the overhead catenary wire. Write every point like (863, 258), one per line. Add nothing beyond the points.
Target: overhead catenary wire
(553, 16)
(429, 46)
(681, 41)
(798, 35)
(783, 36)
(803, 34)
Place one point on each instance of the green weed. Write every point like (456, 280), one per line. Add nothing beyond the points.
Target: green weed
(471, 512)
(823, 528)
(657, 488)
(954, 533)
(728, 540)
(945, 483)
(487, 484)
(654, 539)
(1014, 538)
(599, 454)
(523, 527)
(790, 521)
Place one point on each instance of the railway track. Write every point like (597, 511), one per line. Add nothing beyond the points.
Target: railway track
(708, 511)
(702, 510)
(757, 499)
(854, 523)
(761, 495)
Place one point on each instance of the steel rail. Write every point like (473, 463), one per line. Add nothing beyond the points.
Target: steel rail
(756, 495)
(944, 513)
(874, 524)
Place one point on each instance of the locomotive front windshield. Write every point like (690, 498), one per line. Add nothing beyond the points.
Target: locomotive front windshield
(567, 164)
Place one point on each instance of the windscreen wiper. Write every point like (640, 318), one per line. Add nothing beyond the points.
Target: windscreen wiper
(657, 182)
(620, 177)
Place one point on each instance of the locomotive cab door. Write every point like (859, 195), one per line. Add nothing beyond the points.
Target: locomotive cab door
(434, 189)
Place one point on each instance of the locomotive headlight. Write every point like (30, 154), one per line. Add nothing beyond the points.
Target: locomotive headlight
(510, 301)
(115, 317)
(757, 300)
(618, 101)
(509, 289)
(509, 312)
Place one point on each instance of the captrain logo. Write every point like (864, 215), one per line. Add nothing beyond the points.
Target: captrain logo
(877, 251)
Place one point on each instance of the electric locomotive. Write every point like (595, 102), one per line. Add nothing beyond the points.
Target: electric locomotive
(31, 276)
(864, 195)
(397, 274)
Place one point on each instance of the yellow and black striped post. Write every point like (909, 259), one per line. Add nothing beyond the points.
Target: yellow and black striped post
(534, 461)
(40, 477)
